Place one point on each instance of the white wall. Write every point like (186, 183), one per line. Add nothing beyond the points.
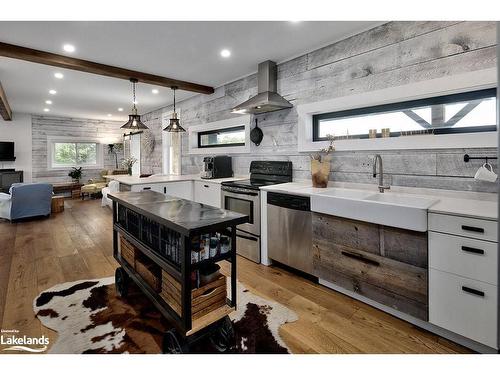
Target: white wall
(19, 131)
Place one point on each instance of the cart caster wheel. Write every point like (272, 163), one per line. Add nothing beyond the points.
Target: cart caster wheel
(223, 338)
(171, 344)
(121, 282)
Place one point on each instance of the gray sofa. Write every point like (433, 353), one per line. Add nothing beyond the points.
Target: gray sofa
(26, 200)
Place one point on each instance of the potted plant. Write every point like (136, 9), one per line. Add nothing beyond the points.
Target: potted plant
(320, 165)
(128, 163)
(75, 174)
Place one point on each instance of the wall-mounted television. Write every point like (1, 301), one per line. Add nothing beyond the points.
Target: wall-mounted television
(7, 151)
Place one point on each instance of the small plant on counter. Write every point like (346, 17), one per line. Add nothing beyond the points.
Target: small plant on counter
(128, 163)
(320, 164)
(75, 174)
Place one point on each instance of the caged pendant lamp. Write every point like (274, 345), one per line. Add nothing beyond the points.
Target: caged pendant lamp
(174, 126)
(134, 120)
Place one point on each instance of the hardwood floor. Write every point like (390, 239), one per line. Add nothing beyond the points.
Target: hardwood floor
(77, 244)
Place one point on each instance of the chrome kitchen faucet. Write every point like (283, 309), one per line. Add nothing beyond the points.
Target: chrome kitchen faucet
(381, 186)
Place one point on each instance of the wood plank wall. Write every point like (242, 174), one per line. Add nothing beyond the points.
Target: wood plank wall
(43, 127)
(393, 54)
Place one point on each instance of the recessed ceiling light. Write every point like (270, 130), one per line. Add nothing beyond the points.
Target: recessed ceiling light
(59, 75)
(49, 102)
(225, 53)
(46, 110)
(155, 91)
(69, 48)
(135, 102)
(109, 115)
(120, 109)
(52, 92)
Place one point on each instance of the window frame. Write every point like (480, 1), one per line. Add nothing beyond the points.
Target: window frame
(218, 131)
(53, 165)
(240, 120)
(408, 104)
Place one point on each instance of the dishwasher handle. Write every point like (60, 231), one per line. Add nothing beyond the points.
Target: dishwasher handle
(294, 202)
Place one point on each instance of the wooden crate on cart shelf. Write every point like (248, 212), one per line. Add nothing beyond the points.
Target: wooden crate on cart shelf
(149, 271)
(204, 299)
(128, 252)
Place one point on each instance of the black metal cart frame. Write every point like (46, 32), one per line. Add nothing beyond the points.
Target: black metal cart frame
(183, 323)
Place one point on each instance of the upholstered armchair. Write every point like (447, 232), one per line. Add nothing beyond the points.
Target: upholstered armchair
(26, 200)
(113, 187)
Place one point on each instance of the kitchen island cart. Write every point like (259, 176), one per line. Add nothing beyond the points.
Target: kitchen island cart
(165, 245)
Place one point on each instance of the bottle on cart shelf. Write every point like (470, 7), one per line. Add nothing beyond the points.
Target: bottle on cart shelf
(214, 245)
(204, 246)
(225, 244)
(195, 249)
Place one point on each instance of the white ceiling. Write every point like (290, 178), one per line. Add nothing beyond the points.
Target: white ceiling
(183, 50)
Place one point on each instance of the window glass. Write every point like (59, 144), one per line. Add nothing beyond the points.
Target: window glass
(234, 136)
(74, 154)
(65, 153)
(459, 113)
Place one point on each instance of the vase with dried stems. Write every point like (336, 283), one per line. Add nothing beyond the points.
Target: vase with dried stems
(320, 165)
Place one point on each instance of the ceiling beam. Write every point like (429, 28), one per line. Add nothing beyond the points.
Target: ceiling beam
(61, 61)
(5, 110)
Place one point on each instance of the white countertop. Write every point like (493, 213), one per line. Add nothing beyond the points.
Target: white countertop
(462, 203)
(158, 179)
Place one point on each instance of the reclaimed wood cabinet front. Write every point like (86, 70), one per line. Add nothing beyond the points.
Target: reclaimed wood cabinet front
(387, 265)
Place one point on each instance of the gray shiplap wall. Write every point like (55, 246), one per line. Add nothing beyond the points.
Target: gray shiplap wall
(393, 54)
(43, 127)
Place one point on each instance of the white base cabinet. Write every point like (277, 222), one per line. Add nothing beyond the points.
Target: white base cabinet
(180, 189)
(463, 276)
(464, 306)
(207, 193)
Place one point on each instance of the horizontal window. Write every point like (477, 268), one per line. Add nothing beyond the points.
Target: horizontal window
(67, 154)
(234, 136)
(467, 112)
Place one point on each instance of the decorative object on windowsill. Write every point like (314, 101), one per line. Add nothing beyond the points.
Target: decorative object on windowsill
(113, 149)
(75, 174)
(148, 142)
(386, 132)
(134, 120)
(256, 134)
(320, 164)
(174, 125)
(128, 163)
(372, 133)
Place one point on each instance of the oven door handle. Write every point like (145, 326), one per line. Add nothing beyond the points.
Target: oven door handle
(246, 237)
(239, 193)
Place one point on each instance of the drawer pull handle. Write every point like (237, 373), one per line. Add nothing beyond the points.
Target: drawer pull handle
(473, 291)
(146, 188)
(472, 250)
(206, 186)
(472, 229)
(361, 258)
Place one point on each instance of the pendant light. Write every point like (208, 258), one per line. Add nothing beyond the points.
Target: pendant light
(134, 120)
(174, 126)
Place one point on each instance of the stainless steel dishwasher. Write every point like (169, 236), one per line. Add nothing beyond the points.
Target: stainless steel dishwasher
(289, 230)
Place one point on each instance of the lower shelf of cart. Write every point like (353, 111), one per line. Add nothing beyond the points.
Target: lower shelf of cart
(211, 317)
(165, 309)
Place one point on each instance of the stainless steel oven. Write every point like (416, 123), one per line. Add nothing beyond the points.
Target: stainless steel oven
(244, 201)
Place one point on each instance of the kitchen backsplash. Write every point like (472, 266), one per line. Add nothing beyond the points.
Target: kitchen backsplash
(392, 54)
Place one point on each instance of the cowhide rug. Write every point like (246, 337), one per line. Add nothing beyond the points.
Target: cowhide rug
(89, 317)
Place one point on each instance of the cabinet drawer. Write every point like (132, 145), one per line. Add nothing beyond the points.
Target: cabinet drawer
(464, 306)
(465, 257)
(464, 226)
(207, 193)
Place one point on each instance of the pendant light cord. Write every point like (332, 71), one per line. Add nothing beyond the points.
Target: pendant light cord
(133, 90)
(174, 99)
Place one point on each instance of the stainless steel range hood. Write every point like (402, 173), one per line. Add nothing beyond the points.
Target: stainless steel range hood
(267, 99)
